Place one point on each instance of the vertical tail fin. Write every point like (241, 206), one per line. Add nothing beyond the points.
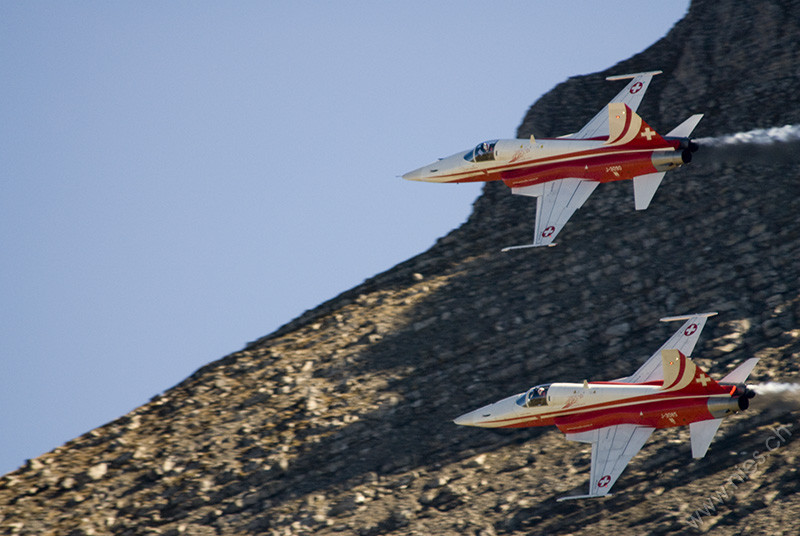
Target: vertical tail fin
(645, 186)
(702, 432)
(631, 95)
(626, 127)
(681, 374)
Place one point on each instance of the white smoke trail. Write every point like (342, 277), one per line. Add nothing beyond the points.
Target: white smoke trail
(777, 145)
(760, 136)
(776, 396)
(772, 388)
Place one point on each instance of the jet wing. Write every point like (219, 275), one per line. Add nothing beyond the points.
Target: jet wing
(632, 95)
(556, 202)
(684, 340)
(612, 449)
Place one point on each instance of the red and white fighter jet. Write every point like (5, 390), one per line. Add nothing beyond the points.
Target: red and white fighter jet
(617, 417)
(563, 172)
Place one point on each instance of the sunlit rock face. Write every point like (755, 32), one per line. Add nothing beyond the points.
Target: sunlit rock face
(341, 421)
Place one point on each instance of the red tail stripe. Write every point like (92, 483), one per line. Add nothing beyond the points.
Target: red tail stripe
(681, 371)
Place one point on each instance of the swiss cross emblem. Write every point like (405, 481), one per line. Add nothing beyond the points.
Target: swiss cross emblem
(603, 482)
(703, 379)
(690, 330)
(548, 232)
(648, 133)
(636, 88)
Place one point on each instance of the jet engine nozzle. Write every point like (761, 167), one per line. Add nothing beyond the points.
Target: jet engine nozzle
(744, 399)
(666, 160)
(685, 143)
(691, 145)
(720, 407)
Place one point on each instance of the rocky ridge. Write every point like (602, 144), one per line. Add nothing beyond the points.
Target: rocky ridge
(340, 421)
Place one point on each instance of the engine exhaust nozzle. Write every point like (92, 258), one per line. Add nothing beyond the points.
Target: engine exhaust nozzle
(667, 160)
(720, 407)
(744, 400)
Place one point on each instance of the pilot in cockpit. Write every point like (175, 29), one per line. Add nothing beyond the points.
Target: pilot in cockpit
(535, 396)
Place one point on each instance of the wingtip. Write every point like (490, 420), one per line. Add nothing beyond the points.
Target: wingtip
(525, 246)
(632, 75)
(573, 497)
(687, 317)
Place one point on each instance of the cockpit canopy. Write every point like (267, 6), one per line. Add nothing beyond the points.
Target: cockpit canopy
(483, 152)
(536, 396)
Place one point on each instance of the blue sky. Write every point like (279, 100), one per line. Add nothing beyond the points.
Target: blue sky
(177, 179)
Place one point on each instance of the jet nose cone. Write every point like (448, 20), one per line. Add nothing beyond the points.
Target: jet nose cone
(465, 420)
(415, 175)
(491, 416)
(474, 418)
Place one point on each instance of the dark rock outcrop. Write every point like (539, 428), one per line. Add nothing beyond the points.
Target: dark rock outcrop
(340, 422)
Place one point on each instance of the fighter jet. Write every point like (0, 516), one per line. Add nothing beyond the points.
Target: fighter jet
(617, 417)
(562, 173)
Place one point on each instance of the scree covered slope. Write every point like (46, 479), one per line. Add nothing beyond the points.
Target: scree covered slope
(341, 421)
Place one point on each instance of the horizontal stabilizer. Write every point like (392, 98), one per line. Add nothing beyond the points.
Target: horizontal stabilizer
(644, 188)
(702, 433)
(685, 129)
(740, 373)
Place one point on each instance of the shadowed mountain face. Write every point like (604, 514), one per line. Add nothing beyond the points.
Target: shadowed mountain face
(340, 422)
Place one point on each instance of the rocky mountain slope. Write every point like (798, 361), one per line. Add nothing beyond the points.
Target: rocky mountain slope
(340, 422)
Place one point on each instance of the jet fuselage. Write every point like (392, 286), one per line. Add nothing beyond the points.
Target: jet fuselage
(576, 407)
(519, 162)
(617, 417)
(561, 173)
